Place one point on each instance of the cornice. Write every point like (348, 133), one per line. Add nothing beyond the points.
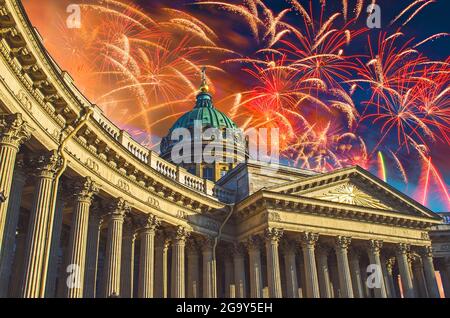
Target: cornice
(267, 200)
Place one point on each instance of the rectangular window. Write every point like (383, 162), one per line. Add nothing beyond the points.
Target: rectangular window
(208, 173)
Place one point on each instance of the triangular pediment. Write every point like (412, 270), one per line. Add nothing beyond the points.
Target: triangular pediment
(355, 186)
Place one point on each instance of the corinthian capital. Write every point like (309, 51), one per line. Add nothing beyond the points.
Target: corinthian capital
(390, 265)
(181, 234)
(85, 189)
(343, 242)
(46, 165)
(308, 239)
(238, 249)
(253, 243)
(207, 243)
(119, 208)
(426, 251)
(14, 130)
(375, 246)
(273, 234)
(150, 223)
(403, 248)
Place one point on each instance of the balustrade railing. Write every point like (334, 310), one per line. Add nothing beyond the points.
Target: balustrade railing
(164, 167)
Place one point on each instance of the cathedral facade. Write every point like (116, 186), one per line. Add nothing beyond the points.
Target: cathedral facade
(86, 211)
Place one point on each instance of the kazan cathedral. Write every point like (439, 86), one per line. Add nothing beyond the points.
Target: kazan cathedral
(86, 211)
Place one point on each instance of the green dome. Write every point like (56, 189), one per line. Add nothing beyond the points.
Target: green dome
(204, 110)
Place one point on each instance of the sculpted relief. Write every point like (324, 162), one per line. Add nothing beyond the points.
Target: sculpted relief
(348, 193)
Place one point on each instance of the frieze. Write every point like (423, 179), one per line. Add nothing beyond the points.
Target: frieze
(182, 215)
(24, 99)
(123, 185)
(153, 202)
(274, 217)
(92, 164)
(271, 217)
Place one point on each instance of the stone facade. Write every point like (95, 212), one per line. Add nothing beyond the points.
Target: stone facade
(83, 206)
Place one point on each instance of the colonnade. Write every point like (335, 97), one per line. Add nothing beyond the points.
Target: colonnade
(112, 251)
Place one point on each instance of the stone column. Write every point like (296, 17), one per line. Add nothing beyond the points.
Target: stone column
(178, 260)
(374, 258)
(62, 263)
(323, 272)
(357, 281)
(273, 236)
(209, 269)
(345, 280)
(51, 286)
(308, 243)
(445, 274)
(255, 268)
(390, 277)
(430, 275)
(405, 274)
(386, 277)
(290, 270)
(239, 271)
(14, 131)
(85, 189)
(301, 272)
(94, 230)
(12, 219)
(16, 281)
(418, 277)
(230, 291)
(193, 268)
(40, 226)
(147, 257)
(127, 267)
(161, 265)
(113, 258)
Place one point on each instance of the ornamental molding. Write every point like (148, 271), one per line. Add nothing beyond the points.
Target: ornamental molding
(85, 189)
(25, 100)
(181, 234)
(47, 164)
(343, 242)
(149, 223)
(287, 203)
(273, 234)
(253, 243)
(308, 239)
(119, 208)
(375, 246)
(349, 193)
(14, 130)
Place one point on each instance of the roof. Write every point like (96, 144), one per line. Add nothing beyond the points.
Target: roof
(205, 112)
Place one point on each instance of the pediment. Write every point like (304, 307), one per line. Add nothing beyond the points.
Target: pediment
(355, 186)
(350, 193)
